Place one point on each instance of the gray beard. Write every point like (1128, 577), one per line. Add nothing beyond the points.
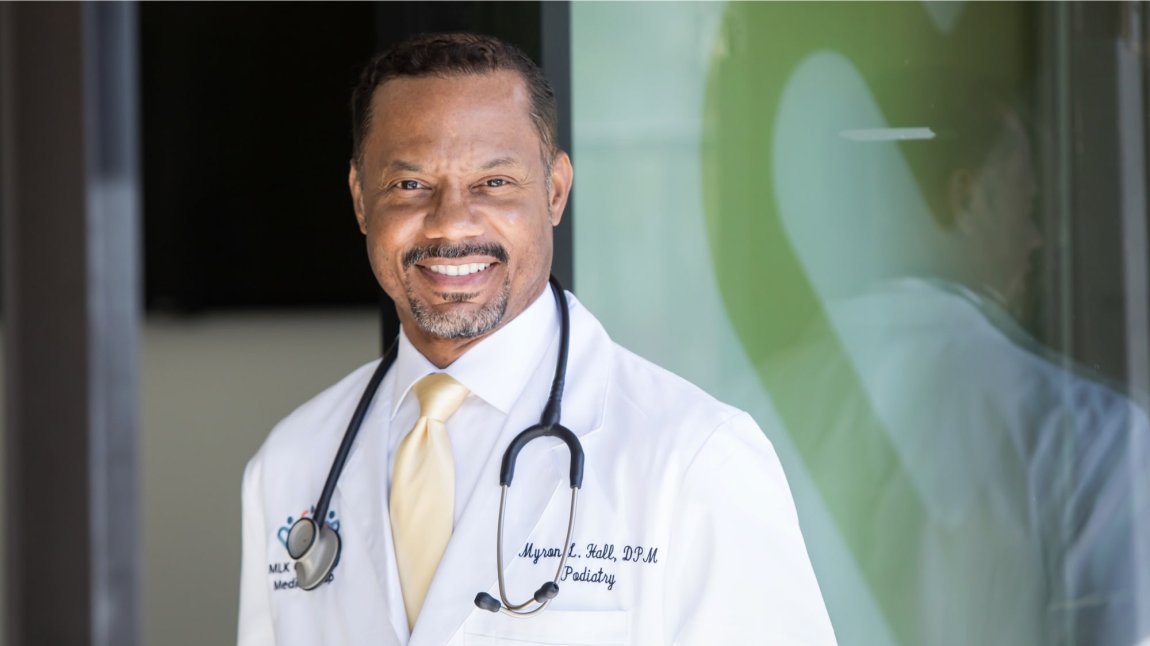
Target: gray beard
(459, 325)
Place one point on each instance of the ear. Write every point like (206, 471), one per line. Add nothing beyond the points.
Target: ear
(356, 195)
(562, 175)
(960, 196)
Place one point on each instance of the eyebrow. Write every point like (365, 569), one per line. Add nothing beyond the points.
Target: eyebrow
(411, 167)
(406, 166)
(499, 161)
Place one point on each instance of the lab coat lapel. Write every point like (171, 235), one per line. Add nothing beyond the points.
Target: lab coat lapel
(366, 532)
(541, 475)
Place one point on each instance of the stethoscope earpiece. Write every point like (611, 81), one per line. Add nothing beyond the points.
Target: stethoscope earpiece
(487, 602)
(543, 595)
(315, 553)
(547, 592)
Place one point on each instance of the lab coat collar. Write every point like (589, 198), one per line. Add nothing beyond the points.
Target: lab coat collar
(468, 565)
(497, 368)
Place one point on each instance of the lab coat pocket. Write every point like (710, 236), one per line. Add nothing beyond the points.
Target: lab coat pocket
(550, 628)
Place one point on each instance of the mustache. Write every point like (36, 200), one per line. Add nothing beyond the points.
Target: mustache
(461, 250)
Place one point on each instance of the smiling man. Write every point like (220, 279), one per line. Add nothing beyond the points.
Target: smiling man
(686, 532)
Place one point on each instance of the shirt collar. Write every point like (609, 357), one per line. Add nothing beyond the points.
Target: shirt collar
(497, 368)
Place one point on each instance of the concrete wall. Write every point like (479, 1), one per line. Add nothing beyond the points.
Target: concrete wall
(212, 387)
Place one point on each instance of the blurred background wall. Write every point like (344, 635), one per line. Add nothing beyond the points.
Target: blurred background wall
(212, 387)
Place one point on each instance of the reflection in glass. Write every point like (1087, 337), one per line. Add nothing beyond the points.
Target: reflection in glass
(874, 217)
(893, 232)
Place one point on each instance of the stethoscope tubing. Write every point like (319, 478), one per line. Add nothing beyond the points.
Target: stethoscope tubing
(549, 419)
(513, 609)
(316, 547)
(352, 431)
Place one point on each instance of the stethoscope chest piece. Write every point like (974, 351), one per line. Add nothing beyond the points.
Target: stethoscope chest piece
(315, 553)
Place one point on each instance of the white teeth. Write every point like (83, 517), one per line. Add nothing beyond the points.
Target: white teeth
(459, 270)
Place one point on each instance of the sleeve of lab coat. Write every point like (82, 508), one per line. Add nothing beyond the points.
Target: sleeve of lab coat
(739, 571)
(255, 621)
(1105, 500)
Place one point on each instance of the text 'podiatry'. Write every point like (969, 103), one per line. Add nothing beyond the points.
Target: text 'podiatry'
(596, 553)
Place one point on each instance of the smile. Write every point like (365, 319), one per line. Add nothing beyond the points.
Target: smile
(459, 270)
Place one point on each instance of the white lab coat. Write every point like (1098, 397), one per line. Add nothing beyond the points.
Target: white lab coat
(685, 532)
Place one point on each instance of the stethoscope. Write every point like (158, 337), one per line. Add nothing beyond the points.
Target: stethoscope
(315, 545)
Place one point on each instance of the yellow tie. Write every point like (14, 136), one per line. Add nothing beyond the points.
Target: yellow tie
(423, 490)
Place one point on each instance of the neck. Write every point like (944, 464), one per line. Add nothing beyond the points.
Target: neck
(439, 351)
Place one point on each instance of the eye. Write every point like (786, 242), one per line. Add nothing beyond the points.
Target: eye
(495, 182)
(407, 185)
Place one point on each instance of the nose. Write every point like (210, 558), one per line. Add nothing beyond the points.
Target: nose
(452, 215)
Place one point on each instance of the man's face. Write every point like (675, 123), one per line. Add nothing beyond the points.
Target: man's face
(454, 199)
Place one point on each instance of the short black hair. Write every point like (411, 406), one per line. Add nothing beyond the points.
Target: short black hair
(967, 114)
(454, 54)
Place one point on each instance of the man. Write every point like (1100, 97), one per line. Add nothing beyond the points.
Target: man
(686, 532)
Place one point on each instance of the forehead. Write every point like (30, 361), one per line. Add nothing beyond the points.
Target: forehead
(451, 108)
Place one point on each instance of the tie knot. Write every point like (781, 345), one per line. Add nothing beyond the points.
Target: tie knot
(439, 396)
